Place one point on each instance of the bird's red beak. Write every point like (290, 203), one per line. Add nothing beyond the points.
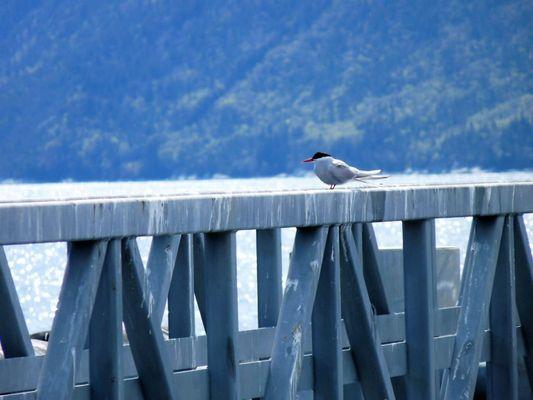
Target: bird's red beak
(308, 160)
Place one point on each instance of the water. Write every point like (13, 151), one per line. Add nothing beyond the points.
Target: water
(38, 268)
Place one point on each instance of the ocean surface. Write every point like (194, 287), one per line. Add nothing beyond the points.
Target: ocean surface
(38, 268)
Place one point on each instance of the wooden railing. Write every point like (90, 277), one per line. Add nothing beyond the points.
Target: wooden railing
(332, 333)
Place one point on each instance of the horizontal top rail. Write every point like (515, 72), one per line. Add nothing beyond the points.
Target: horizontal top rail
(95, 218)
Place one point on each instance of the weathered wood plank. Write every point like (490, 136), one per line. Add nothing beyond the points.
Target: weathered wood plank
(200, 266)
(326, 319)
(82, 219)
(105, 338)
(222, 315)
(359, 321)
(295, 313)
(21, 374)
(372, 271)
(161, 261)
(14, 336)
(502, 370)
(181, 293)
(476, 288)
(524, 288)
(269, 290)
(194, 384)
(71, 322)
(420, 303)
(143, 330)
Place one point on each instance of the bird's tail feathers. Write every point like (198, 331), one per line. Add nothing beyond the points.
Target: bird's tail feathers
(377, 177)
(362, 173)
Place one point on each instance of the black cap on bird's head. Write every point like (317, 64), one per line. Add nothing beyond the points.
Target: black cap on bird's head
(316, 156)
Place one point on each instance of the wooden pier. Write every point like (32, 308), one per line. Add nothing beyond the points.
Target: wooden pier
(336, 330)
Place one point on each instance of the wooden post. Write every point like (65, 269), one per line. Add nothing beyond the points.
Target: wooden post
(524, 289)
(502, 370)
(222, 315)
(420, 307)
(181, 293)
(268, 244)
(105, 339)
(326, 320)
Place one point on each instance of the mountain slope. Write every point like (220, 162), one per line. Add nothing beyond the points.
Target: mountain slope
(142, 89)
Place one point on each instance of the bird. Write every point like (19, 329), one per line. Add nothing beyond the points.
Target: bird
(333, 171)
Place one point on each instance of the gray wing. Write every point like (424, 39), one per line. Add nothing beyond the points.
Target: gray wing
(342, 171)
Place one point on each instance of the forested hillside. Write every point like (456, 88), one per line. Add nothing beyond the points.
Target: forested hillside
(132, 89)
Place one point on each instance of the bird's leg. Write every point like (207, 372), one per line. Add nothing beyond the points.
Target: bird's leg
(334, 186)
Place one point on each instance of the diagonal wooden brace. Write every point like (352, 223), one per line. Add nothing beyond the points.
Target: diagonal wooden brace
(69, 329)
(143, 327)
(295, 313)
(359, 321)
(476, 289)
(14, 335)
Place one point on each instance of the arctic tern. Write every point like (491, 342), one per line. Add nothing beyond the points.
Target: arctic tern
(336, 172)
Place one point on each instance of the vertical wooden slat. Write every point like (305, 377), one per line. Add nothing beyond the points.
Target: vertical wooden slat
(268, 244)
(359, 321)
(71, 322)
(159, 268)
(144, 331)
(221, 315)
(372, 271)
(14, 335)
(502, 370)
(200, 265)
(181, 293)
(105, 339)
(353, 390)
(326, 318)
(524, 289)
(420, 289)
(295, 313)
(477, 282)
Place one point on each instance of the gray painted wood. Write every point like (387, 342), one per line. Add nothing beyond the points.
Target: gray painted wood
(326, 324)
(359, 321)
(143, 327)
(14, 336)
(193, 384)
(161, 261)
(269, 290)
(105, 338)
(181, 293)
(373, 271)
(502, 370)
(295, 313)
(221, 315)
(71, 322)
(21, 374)
(447, 271)
(50, 221)
(200, 266)
(476, 288)
(524, 289)
(420, 301)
